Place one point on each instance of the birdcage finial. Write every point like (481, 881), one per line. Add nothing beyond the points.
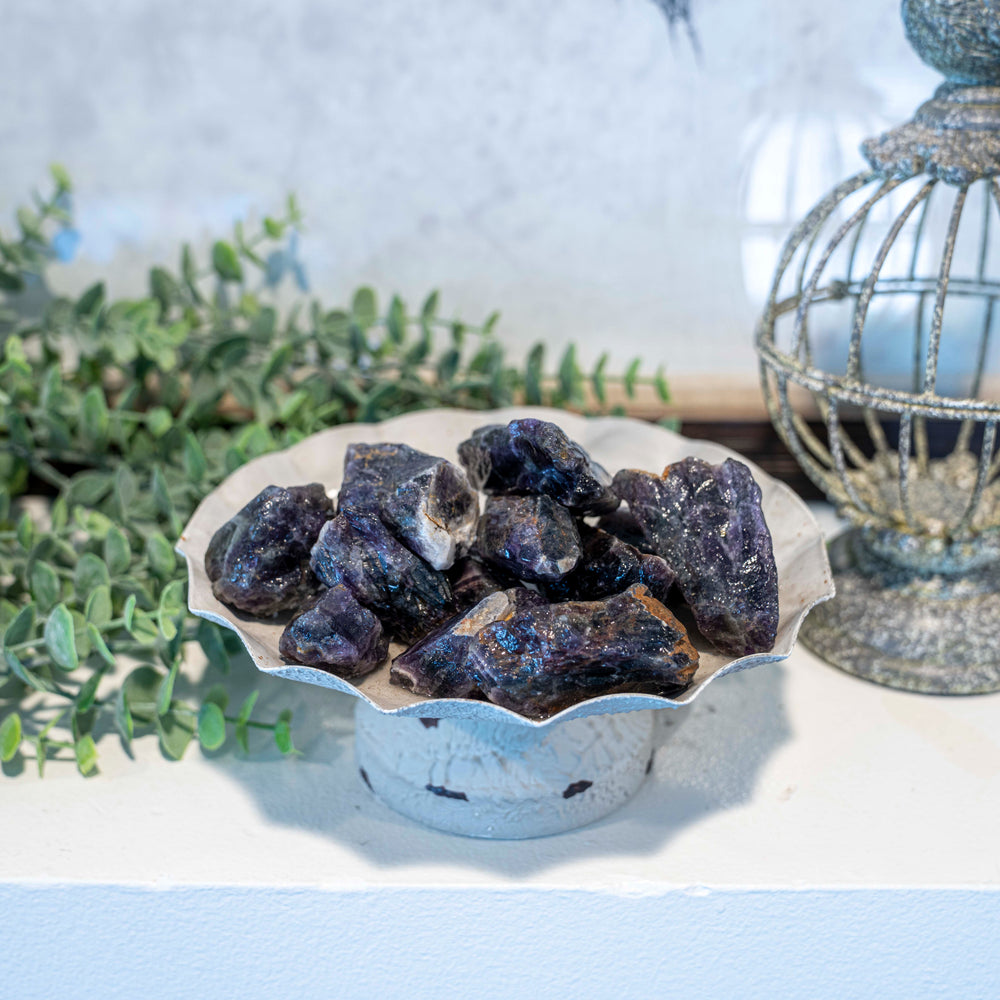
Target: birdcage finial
(959, 38)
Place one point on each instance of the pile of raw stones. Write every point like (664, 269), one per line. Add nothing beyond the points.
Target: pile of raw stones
(552, 593)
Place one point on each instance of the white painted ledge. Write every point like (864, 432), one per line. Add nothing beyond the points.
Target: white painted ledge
(802, 834)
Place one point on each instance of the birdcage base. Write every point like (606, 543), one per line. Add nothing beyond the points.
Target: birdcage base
(932, 634)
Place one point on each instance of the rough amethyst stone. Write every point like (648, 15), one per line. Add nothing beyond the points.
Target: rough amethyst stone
(622, 524)
(472, 580)
(356, 549)
(608, 566)
(546, 658)
(435, 666)
(258, 561)
(535, 456)
(426, 501)
(707, 522)
(530, 536)
(335, 634)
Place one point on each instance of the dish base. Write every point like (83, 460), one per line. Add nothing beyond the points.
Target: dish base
(503, 781)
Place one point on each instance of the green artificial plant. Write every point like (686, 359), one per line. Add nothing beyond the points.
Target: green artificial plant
(118, 416)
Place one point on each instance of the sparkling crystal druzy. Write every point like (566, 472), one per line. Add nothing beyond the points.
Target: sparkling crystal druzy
(535, 456)
(426, 501)
(436, 665)
(532, 537)
(357, 550)
(707, 523)
(258, 561)
(608, 566)
(337, 634)
(543, 659)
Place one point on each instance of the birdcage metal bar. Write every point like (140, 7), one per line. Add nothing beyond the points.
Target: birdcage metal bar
(863, 301)
(783, 416)
(833, 431)
(834, 242)
(967, 427)
(982, 476)
(905, 433)
(937, 320)
(810, 226)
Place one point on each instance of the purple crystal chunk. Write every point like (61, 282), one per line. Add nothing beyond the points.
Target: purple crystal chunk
(356, 549)
(472, 580)
(426, 501)
(530, 536)
(543, 659)
(335, 634)
(258, 561)
(535, 456)
(623, 524)
(435, 666)
(609, 566)
(707, 522)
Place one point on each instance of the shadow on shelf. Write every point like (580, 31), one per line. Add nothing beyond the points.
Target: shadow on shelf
(708, 759)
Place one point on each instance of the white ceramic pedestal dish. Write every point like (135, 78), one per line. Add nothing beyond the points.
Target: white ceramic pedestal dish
(413, 765)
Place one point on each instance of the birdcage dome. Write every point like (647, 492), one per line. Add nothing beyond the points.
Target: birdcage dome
(881, 320)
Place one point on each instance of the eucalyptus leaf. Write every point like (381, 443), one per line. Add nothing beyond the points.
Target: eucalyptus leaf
(211, 726)
(98, 609)
(21, 628)
(141, 688)
(90, 572)
(160, 554)
(117, 551)
(175, 731)
(45, 588)
(226, 261)
(87, 693)
(283, 733)
(99, 645)
(10, 736)
(60, 638)
(86, 754)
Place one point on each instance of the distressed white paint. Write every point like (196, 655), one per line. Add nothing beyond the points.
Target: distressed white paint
(566, 161)
(492, 779)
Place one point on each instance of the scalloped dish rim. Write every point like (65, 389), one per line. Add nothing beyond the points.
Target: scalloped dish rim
(804, 575)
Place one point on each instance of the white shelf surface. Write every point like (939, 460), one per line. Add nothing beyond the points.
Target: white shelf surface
(802, 833)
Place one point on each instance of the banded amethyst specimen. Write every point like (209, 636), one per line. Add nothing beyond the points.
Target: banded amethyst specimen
(543, 659)
(535, 456)
(356, 549)
(336, 634)
(530, 536)
(258, 561)
(472, 580)
(608, 566)
(426, 501)
(707, 522)
(436, 666)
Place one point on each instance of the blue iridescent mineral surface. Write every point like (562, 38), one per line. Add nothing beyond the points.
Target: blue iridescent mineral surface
(707, 523)
(337, 634)
(258, 561)
(608, 566)
(357, 550)
(436, 667)
(535, 456)
(426, 501)
(532, 537)
(544, 659)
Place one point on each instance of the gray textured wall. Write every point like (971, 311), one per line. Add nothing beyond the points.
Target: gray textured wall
(571, 162)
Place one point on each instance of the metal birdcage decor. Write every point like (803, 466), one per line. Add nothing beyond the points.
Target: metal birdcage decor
(879, 360)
